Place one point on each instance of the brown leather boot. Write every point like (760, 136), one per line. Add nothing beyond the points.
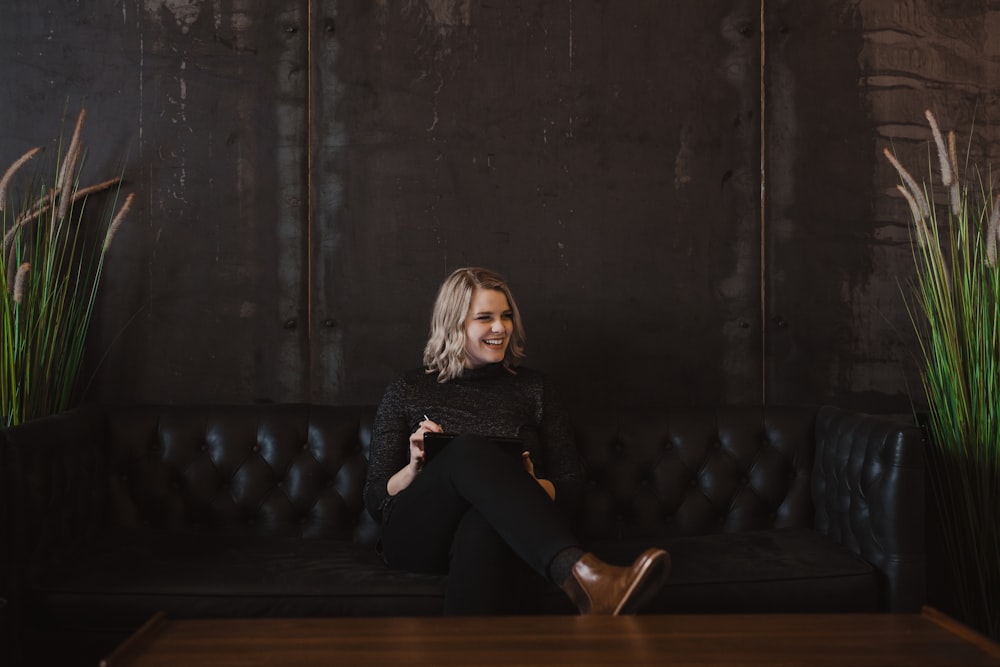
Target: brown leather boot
(598, 588)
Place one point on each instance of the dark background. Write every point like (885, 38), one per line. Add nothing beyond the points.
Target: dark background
(687, 196)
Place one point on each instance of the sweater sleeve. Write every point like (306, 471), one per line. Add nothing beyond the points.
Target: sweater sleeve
(389, 448)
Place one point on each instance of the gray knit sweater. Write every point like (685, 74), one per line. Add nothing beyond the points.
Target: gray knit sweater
(485, 401)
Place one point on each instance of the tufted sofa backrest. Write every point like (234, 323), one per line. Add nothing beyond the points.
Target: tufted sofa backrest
(299, 470)
(696, 471)
(263, 469)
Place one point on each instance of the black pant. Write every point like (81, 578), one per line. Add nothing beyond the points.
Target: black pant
(475, 513)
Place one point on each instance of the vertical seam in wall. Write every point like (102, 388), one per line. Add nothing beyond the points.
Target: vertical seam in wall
(310, 203)
(763, 212)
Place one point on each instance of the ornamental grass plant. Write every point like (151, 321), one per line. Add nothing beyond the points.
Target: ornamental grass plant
(51, 260)
(954, 305)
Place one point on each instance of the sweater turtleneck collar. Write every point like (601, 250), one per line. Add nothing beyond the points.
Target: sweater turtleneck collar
(483, 372)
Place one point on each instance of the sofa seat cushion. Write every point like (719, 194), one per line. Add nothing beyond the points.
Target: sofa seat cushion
(118, 583)
(121, 581)
(774, 571)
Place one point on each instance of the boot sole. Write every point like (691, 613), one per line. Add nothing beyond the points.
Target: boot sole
(653, 571)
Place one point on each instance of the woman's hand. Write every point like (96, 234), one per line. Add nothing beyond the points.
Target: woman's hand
(529, 466)
(417, 442)
(406, 475)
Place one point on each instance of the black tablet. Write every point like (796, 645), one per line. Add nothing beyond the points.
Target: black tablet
(435, 442)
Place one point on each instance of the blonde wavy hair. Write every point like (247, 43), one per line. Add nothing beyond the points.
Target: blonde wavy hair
(444, 353)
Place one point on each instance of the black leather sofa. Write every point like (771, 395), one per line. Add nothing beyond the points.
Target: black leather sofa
(113, 513)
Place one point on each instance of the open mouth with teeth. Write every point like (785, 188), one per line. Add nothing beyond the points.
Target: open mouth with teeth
(493, 342)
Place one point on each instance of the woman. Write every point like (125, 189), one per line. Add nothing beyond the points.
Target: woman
(475, 511)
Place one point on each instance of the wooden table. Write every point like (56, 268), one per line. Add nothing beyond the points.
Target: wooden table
(851, 640)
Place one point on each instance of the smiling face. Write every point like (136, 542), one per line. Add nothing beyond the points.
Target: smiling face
(488, 327)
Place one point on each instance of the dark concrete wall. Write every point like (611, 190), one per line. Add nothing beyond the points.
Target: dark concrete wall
(308, 171)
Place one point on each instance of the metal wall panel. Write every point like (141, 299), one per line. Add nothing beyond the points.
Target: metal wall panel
(309, 170)
(603, 155)
(206, 288)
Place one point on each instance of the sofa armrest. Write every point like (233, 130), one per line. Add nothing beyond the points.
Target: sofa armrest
(868, 493)
(55, 484)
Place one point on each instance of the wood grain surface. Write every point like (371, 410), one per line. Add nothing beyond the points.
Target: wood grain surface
(909, 640)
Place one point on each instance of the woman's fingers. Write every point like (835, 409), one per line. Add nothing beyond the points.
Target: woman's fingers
(428, 425)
